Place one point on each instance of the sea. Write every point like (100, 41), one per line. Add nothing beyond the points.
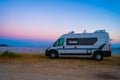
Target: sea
(29, 50)
(39, 50)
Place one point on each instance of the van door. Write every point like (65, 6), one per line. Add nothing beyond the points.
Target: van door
(59, 45)
(71, 47)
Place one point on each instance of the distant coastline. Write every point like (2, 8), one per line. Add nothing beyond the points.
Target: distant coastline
(4, 45)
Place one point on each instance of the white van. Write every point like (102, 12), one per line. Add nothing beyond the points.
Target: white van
(95, 45)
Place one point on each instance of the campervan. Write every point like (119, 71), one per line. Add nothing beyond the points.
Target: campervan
(95, 45)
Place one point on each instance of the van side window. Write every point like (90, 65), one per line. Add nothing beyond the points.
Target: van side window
(81, 41)
(87, 41)
(72, 41)
(59, 42)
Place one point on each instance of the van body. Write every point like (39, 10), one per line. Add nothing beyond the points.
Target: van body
(95, 45)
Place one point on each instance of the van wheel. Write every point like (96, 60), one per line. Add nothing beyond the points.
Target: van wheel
(53, 55)
(98, 56)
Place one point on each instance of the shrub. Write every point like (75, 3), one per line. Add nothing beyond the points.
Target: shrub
(9, 54)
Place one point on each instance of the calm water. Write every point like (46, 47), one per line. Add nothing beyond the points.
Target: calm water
(115, 50)
(39, 50)
(23, 49)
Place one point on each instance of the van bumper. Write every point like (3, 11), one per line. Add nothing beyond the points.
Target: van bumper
(107, 53)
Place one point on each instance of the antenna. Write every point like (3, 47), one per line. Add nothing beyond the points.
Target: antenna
(84, 31)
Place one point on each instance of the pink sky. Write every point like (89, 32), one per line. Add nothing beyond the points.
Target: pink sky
(48, 20)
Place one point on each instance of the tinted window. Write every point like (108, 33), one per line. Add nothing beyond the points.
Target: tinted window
(81, 41)
(59, 42)
(87, 41)
(72, 41)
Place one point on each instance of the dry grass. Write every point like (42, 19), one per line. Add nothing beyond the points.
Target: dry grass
(35, 58)
(23, 58)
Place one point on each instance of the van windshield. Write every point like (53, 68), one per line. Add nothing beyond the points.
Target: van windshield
(59, 42)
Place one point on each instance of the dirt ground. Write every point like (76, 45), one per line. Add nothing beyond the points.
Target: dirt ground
(58, 69)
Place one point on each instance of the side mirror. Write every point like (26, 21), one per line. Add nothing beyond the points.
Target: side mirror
(54, 45)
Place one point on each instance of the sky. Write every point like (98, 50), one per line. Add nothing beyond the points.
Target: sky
(41, 22)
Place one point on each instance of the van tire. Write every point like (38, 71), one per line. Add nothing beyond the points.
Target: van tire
(53, 55)
(98, 56)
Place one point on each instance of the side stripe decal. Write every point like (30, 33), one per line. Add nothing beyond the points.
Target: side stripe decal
(75, 54)
(76, 48)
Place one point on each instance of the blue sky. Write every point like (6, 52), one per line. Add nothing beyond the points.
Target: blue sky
(41, 22)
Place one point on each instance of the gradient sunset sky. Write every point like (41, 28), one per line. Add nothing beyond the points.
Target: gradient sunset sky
(41, 22)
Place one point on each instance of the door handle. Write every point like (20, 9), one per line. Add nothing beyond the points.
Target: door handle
(63, 47)
(75, 47)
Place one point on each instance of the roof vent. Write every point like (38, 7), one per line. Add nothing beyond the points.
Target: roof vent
(72, 32)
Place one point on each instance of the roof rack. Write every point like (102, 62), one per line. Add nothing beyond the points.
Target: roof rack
(99, 31)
